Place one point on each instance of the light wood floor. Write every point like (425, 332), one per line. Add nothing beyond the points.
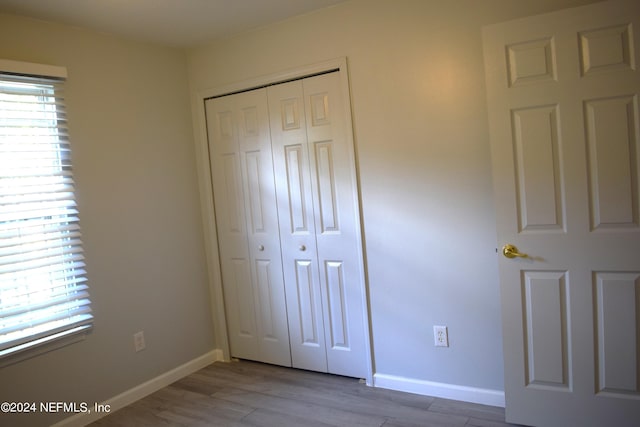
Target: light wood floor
(254, 394)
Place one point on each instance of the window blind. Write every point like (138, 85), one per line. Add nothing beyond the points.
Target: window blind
(43, 286)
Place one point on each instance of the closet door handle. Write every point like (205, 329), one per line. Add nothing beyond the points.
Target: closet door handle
(260, 248)
(302, 248)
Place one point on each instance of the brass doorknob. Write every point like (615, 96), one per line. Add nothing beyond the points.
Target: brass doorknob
(511, 251)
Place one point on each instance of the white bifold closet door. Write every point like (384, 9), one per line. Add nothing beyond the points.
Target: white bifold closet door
(319, 226)
(304, 203)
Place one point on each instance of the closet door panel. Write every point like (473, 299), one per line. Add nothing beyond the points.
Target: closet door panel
(306, 304)
(230, 224)
(256, 201)
(295, 160)
(337, 306)
(337, 224)
(262, 226)
(246, 219)
(297, 226)
(328, 218)
(268, 308)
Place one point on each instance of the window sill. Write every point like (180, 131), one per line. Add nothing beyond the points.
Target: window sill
(43, 345)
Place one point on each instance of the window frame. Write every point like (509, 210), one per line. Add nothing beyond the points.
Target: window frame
(55, 337)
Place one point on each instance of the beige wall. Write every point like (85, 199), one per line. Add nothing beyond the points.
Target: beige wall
(131, 134)
(420, 124)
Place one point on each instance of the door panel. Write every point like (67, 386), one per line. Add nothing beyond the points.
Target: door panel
(613, 173)
(617, 304)
(337, 223)
(536, 146)
(297, 226)
(246, 218)
(232, 193)
(338, 318)
(267, 308)
(562, 98)
(230, 221)
(307, 303)
(328, 206)
(297, 198)
(252, 161)
(240, 292)
(546, 334)
(606, 49)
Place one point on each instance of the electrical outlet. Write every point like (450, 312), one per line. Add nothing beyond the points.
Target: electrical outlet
(138, 341)
(440, 336)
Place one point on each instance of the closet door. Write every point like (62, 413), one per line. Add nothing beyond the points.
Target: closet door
(247, 225)
(319, 224)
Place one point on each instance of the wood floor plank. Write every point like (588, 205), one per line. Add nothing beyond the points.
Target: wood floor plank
(317, 412)
(243, 393)
(132, 416)
(477, 422)
(484, 412)
(428, 421)
(267, 418)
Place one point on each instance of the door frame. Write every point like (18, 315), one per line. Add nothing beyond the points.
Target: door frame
(212, 251)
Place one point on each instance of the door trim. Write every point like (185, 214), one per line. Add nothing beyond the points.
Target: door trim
(205, 185)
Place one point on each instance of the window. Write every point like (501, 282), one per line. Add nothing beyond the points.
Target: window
(43, 291)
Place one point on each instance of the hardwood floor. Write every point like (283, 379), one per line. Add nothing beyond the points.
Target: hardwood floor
(253, 394)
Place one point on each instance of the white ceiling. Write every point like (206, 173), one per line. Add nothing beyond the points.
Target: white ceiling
(179, 23)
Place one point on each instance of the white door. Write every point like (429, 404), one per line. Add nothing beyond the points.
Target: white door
(247, 224)
(563, 106)
(319, 225)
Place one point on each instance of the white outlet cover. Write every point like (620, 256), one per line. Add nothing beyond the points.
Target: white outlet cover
(440, 336)
(138, 341)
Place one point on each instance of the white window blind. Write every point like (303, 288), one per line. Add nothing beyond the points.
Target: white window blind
(43, 289)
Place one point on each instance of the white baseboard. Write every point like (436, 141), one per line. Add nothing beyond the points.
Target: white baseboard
(138, 392)
(446, 391)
